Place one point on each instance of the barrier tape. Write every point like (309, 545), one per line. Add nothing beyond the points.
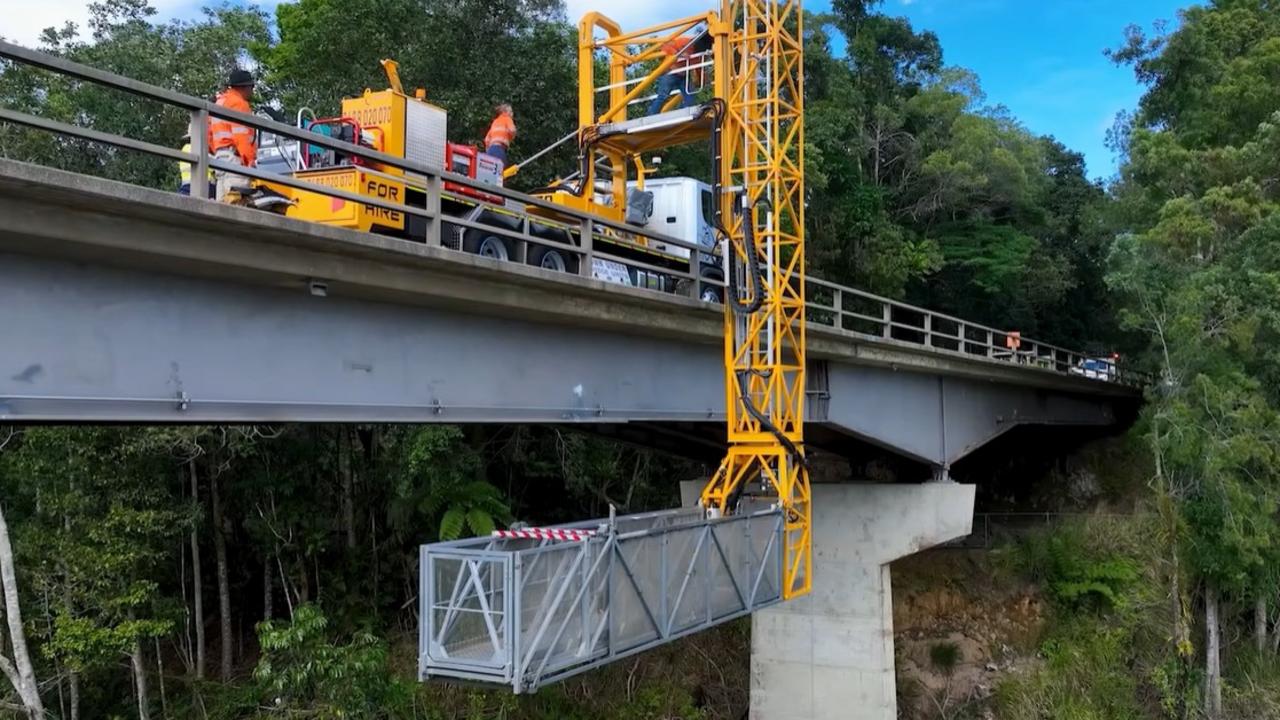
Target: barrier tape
(546, 534)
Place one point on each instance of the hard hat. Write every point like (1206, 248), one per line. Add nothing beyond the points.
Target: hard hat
(240, 78)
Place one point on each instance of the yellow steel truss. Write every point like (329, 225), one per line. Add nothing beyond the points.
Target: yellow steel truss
(760, 75)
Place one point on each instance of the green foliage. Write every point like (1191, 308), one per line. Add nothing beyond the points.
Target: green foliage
(945, 656)
(919, 189)
(99, 530)
(444, 478)
(1252, 687)
(1083, 678)
(1104, 651)
(304, 669)
(1076, 575)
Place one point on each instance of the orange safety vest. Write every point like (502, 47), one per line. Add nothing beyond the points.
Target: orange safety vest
(224, 133)
(501, 132)
(672, 47)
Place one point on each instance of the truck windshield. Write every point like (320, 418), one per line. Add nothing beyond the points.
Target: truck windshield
(708, 206)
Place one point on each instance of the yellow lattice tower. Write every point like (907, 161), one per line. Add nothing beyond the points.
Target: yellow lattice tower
(758, 136)
(760, 76)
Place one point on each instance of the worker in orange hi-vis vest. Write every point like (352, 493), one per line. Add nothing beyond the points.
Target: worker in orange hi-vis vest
(501, 132)
(1013, 341)
(674, 78)
(232, 142)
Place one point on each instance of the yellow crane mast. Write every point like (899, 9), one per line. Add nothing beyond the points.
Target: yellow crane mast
(755, 121)
(762, 207)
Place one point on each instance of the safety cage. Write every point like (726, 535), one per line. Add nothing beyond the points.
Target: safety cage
(532, 610)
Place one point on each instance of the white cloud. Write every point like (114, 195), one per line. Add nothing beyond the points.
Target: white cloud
(24, 27)
(632, 15)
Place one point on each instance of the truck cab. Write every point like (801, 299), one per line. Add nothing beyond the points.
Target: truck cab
(681, 208)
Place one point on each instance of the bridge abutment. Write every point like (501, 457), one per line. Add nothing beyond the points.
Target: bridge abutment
(829, 655)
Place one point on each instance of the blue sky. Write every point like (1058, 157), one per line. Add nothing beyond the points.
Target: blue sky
(1040, 58)
(1043, 59)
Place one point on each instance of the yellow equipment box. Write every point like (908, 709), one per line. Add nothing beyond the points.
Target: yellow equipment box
(314, 207)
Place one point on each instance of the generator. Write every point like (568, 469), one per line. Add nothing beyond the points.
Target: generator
(395, 123)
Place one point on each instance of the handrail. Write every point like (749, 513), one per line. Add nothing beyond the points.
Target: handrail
(888, 324)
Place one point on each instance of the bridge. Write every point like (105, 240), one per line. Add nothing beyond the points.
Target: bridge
(121, 303)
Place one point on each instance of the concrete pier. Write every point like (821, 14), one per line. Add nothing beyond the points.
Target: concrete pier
(829, 655)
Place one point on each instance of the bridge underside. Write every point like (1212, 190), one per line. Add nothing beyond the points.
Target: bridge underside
(84, 342)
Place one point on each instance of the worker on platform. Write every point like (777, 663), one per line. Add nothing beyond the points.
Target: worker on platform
(678, 75)
(232, 142)
(184, 172)
(501, 132)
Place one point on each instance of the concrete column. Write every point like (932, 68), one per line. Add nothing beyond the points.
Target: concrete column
(829, 655)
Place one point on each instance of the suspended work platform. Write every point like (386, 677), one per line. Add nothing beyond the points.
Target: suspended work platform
(528, 611)
(651, 133)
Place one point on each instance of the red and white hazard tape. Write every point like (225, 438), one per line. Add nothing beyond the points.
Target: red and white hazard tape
(546, 534)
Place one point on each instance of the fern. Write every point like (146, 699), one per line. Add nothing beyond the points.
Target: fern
(480, 521)
(451, 525)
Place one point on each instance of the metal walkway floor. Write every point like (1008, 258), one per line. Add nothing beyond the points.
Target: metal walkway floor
(525, 612)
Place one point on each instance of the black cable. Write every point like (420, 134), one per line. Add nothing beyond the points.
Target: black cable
(717, 222)
(757, 282)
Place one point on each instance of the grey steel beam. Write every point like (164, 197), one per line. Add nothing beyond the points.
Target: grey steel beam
(89, 343)
(939, 419)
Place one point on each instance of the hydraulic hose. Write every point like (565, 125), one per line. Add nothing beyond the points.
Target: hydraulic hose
(756, 276)
(756, 300)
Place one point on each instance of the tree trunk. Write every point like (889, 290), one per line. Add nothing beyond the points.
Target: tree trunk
(1260, 624)
(1212, 660)
(1275, 640)
(22, 671)
(140, 678)
(1181, 628)
(268, 586)
(197, 582)
(74, 695)
(224, 584)
(344, 470)
(73, 677)
(164, 699)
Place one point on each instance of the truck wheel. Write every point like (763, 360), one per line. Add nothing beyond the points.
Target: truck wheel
(490, 246)
(552, 259)
(711, 293)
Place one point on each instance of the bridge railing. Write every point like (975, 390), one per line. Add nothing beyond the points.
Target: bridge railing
(587, 238)
(864, 313)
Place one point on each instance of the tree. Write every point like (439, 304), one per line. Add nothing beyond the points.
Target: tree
(19, 671)
(99, 530)
(1197, 266)
(190, 57)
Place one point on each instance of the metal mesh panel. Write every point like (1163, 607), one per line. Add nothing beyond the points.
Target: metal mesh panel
(467, 623)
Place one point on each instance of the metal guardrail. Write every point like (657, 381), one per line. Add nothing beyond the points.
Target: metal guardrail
(990, 529)
(848, 310)
(528, 612)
